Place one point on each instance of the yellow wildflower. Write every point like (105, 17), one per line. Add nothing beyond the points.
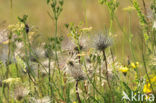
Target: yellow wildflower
(74, 102)
(124, 69)
(147, 88)
(137, 64)
(129, 8)
(133, 65)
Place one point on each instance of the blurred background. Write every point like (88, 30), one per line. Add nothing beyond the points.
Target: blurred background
(90, 11)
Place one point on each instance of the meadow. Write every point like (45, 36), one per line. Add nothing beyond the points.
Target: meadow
(78, 51)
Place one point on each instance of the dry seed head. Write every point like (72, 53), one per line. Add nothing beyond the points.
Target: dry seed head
(102, 42)
(74, 69)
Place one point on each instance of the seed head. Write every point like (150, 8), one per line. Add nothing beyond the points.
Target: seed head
(102, 42)
(75, 71)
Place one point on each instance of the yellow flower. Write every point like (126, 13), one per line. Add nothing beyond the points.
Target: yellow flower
(124, 69)
(74, 102)
(129, 8)
(147, 88)
(133, 65)
(137, 64)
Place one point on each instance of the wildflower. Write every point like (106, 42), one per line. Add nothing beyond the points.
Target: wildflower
(74, 102)
(137, 64)
(134, 65)
(124, 70)
(147, 88)
(129, 8)
(11, 80)
(102, 42)
(75, 70)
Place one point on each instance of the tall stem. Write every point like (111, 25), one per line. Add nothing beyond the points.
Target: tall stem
(77, 93)
(107, 75)
(50, 78)
(56, 22)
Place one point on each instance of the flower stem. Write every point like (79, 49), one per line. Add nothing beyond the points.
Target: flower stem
(107, 76)
(77, 93)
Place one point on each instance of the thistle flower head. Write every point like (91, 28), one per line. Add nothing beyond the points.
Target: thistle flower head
(102, 42)
(74, 69)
